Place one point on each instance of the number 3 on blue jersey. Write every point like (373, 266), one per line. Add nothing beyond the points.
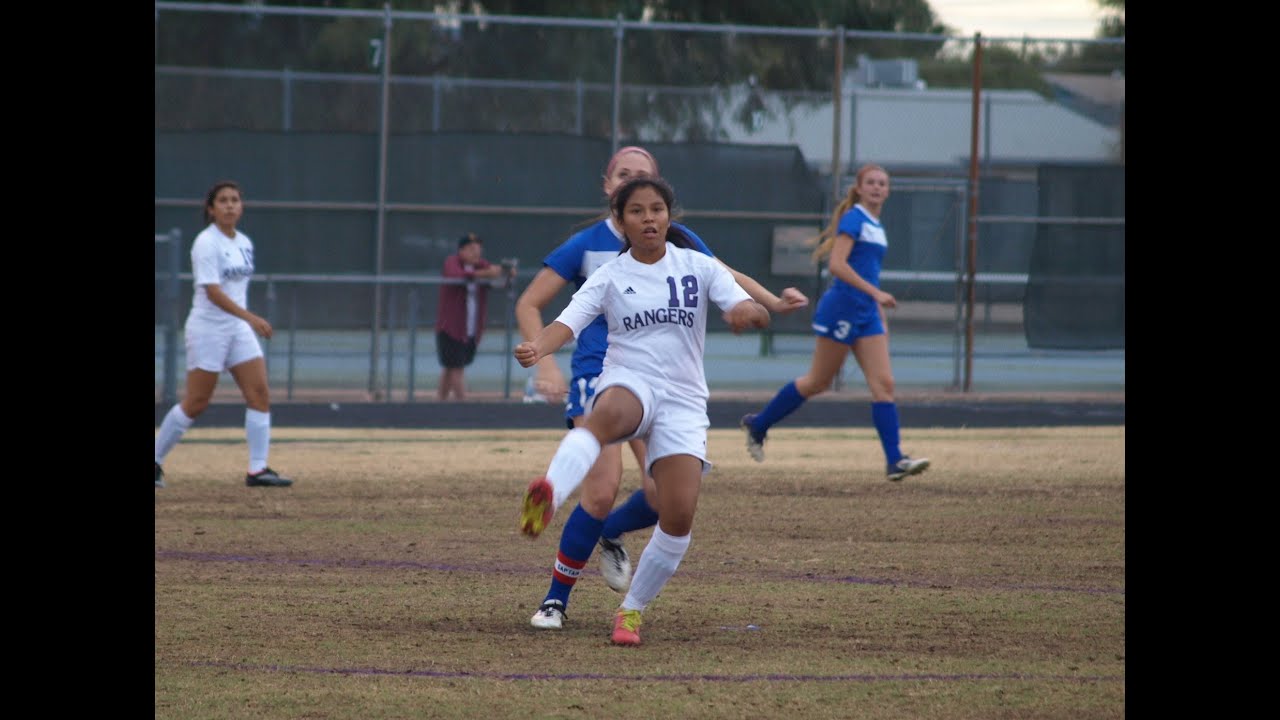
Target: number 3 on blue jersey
(842, 329)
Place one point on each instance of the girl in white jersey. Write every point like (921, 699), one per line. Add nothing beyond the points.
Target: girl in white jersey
(220, 335)
(655, 297)
(596, 520)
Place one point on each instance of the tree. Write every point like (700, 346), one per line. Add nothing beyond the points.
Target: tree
(684, 84)
(1112, 23)
(723, 65)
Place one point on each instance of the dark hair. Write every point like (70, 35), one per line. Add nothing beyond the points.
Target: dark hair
(213, 193)
(467, 239)
(623, 193)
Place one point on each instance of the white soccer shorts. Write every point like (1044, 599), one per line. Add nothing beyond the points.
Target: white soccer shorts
(215, 350)
(671, 425)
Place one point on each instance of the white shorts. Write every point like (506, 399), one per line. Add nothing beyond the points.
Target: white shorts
(671, 424)
(220, 349)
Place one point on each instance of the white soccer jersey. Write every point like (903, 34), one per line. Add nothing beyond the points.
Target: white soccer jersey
(657, 315)
(226, 262)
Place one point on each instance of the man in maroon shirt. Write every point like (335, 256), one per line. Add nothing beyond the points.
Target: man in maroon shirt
(460, 315)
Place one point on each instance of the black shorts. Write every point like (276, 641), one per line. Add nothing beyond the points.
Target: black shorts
(454, 353)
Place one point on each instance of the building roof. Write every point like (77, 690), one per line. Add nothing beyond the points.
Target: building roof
(1103, 89)
(918, 127)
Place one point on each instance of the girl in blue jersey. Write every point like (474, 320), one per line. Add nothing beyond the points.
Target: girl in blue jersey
(592, 521)
(850, 316)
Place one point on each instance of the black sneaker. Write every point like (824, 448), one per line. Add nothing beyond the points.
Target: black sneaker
(267, 477)
(159, 476)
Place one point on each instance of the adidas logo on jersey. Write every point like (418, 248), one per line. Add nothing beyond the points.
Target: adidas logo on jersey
(628, 291)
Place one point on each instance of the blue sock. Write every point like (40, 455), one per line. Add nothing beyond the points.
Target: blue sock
(885, 417)
(634, 514)
(782, 405)
(577, 540)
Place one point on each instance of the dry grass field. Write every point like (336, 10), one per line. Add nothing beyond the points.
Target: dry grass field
(390, 582)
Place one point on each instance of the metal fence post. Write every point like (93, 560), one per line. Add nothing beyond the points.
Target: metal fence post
(435, 103)
(287, 100)
(972, 266)
(578, 107)
(413, 339)
(837, 105)
(617, 82)
(271, 318)
(509, 322)
(170, 393)
(957, 340)
(382, 201)
(293, 334)
(391, 335)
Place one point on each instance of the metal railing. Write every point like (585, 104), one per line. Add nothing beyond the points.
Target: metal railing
(273, 281)
(173, 252)
(400, 332)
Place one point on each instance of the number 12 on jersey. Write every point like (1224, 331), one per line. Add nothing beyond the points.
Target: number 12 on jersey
(690, 284)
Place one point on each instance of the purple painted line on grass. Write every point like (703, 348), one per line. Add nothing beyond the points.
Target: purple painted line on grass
(935, 585)
(392, 564)
(442, 567)
(772, 677)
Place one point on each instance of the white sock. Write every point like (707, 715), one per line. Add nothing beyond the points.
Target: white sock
(173, 426)
(575, 456)
(657, 564)
(257, 431)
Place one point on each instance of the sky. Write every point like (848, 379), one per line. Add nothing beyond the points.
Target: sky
(1016, 18)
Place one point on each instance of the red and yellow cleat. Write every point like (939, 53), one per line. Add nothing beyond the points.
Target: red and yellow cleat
(537, 509)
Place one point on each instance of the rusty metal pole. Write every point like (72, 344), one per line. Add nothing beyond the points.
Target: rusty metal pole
(972, 265)
(837, 93)
(837, 106)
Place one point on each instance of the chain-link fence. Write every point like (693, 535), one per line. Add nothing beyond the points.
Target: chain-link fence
(367, 141)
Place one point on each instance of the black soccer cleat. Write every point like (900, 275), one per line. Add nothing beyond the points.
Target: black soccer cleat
(266, 477)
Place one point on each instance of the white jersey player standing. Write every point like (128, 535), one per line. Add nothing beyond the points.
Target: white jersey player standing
(220, 335)
(655, 296)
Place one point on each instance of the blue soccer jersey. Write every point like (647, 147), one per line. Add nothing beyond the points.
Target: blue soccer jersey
(869, 246)
(845, 313)
(575, 260)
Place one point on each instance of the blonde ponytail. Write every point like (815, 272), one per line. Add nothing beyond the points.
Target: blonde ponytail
(827, 238)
